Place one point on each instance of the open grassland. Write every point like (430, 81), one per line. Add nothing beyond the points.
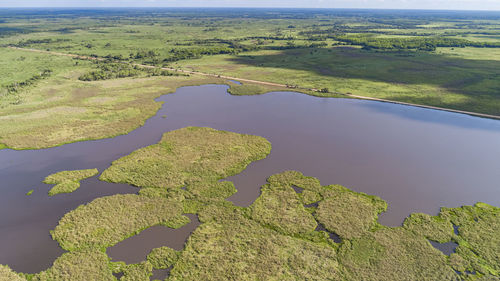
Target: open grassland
(62, 109)
(68, 181)
(444, 59)
(464, 80)
(23, 73)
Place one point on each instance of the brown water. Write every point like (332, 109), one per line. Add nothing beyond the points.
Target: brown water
(416, 159)
(447, 248)
(136, 248)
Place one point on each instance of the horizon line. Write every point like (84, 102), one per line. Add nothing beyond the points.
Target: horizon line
(246, 7)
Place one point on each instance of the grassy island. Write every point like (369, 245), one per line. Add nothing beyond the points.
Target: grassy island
(68, 181)
(188, 155)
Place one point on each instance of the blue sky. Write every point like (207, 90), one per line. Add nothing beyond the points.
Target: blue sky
(380, 4)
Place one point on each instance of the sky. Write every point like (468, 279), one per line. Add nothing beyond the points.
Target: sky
(377, 4)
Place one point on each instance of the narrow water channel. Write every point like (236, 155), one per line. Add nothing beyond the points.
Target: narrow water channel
(416, 159)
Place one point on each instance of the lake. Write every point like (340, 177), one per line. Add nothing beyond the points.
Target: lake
(416, 159)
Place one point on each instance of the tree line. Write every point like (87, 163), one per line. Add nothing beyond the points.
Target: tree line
(108, 70)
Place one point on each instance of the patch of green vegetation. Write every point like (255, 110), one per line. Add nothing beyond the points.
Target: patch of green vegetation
(84, 265)
(62, 109)
(22, 71)
(250, 89)
(109, 70)
(312, 189)
(16, 87)
(405, 43)
(6, 274)
(478, 239)
(234, 247)
(137, 272)
(434, 228)
(393, 254)
(279, 207)
(211, 190)
(177, 222)
(405, 76)
(349, 214)
(68, 181)
(29, 192)
(108, 220)
(188, 155)
(233, 242)
(163, 257)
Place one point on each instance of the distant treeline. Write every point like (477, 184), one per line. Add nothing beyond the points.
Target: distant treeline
(29, 42)
(420, 43)
(17, 86)
(201, 49)
(106, 70)
(8, 30)
(181, 54)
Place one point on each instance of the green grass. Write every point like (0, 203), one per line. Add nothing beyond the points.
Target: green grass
(207, 191)
(188, 155)
(280, 208)
(29, 192)
(461, 81)
(63, 109)
(163, 257)
(6, 274)
(349, 214)
(137, 272)
(434, 228)
(84, 265)
(393, 254)
(233, 247)
(470, 53)
(108, 220)
(17, 66)
(478, 239)
(68, 181)
(251, 89)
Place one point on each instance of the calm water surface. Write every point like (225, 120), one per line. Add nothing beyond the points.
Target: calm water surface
(416, 159)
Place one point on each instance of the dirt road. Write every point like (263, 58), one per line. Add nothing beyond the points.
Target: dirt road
(261, 82)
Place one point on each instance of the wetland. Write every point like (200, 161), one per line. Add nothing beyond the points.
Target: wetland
(417, 160)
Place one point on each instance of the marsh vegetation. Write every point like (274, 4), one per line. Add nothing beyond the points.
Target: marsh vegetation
(276, 237)
(68, 181)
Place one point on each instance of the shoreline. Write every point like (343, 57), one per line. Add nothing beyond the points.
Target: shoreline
(470, 113)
